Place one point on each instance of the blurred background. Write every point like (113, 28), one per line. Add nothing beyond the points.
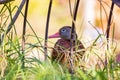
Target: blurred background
(92, 14)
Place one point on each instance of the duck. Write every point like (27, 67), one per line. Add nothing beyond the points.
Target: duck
(61, 50)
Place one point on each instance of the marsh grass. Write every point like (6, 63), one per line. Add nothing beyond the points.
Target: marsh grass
(36, 69)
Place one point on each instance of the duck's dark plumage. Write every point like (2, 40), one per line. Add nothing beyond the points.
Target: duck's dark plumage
(61, 50)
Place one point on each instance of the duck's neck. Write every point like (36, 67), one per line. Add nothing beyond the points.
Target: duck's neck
(69, 38)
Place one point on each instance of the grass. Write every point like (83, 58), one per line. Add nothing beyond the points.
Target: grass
(39, 70)
(36, 69)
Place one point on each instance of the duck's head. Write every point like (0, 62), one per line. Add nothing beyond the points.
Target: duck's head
(64, 33)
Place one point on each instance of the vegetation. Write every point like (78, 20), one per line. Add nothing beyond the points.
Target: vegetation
(15, 64)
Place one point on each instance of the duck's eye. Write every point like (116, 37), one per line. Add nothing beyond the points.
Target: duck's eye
(63, 30)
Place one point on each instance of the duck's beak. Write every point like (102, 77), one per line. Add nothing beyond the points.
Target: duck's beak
(56, 35)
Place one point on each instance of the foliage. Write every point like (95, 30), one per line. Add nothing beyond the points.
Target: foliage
(36, 69)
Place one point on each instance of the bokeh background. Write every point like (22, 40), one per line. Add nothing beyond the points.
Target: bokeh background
(91, 13)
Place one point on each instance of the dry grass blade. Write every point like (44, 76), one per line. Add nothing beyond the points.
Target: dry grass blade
(3, 64)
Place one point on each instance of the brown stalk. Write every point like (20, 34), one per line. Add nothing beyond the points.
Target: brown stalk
(47, 28)
(109, 21)
(107, 36)
(23, 35)
(72, 35)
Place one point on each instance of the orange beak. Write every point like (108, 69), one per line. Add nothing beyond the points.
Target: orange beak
(56, 35)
